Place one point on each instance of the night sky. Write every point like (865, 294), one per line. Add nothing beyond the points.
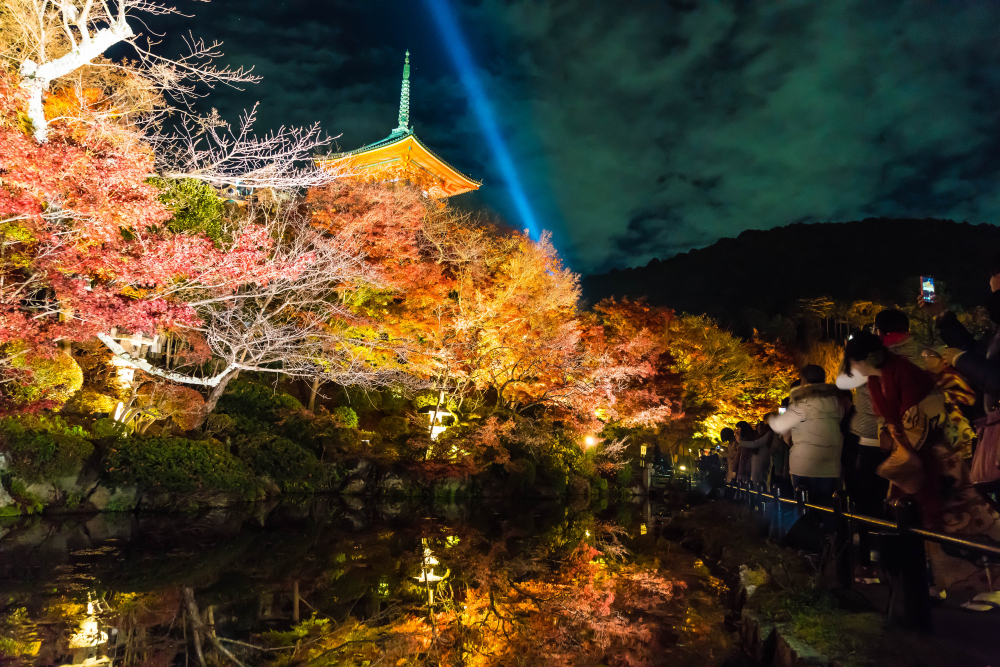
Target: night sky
(644, 129)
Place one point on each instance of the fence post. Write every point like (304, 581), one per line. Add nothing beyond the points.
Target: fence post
(911, 565)
(801, 497)
(842, 541)
(777, 510)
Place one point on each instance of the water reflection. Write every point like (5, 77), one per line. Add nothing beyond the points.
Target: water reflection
(331, 583)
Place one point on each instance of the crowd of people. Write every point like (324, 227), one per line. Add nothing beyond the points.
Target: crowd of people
(900, 420)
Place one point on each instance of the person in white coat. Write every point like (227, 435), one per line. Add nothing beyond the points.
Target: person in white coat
(813, 418)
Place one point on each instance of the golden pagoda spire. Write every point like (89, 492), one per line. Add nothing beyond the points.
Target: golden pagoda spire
(401, 157)
(404, 100)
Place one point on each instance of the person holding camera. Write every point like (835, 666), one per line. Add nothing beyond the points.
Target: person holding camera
(813, 417)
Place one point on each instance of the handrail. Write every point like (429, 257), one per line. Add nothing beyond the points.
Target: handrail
(861, 518)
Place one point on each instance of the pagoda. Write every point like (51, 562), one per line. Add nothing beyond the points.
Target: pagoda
(401, 157)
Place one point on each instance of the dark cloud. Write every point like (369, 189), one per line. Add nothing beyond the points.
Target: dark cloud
(647, 128)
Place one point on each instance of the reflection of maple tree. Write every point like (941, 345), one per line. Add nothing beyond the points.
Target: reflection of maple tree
(506, 605)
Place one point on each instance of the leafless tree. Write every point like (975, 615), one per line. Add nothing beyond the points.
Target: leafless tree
(295, 323)
(58, 37)
(209, 150)
(50, 40)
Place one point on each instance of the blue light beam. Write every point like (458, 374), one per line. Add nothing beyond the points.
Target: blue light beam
(461, 57)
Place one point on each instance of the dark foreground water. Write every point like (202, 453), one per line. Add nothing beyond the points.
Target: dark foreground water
(333, 581)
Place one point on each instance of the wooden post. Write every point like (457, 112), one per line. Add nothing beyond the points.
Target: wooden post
(842, 541)
(912, 568)
(295, 601)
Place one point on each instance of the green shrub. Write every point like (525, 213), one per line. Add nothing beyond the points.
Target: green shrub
(44, 448)
(255, 407)
(54, 378)
(431, 398)
(196, 206)
(346, 416)
(345, 440)
(393, 427)
(73, 500)
(177, 465)
(599, 485)
(120, 503)
(108, 429)
(624, 475)
(27, 502)
(294, 468)
(363, 402)
(394, 402)
(219, 423)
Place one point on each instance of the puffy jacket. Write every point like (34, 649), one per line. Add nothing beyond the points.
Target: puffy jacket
(813, 419)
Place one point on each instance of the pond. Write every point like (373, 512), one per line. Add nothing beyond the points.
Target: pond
(344, 581)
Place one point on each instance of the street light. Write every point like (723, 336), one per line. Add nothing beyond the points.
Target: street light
(590, 440)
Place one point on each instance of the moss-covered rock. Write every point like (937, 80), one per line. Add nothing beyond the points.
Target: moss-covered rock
(292, 467)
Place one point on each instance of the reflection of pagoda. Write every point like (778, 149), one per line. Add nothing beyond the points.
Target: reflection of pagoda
(401, 157)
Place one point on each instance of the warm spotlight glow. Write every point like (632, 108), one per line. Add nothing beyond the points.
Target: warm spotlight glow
(590, 440)
(683, 468)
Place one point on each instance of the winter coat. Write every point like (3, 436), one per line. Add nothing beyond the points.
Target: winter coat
(981, 368)
(813, 420)
(759, 453)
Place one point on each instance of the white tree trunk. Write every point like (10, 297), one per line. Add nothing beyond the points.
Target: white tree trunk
(36, 78)
(145, 366)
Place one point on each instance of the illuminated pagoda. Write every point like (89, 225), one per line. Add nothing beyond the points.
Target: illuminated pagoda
(401, 157)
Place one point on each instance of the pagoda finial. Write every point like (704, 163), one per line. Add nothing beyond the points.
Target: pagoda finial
(404, 98)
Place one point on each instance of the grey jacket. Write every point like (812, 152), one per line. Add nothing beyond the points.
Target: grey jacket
(813, 419)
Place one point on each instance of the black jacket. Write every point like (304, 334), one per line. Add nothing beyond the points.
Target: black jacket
(979, 366)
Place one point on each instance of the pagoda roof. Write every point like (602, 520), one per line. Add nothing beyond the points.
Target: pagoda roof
(401, 157)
